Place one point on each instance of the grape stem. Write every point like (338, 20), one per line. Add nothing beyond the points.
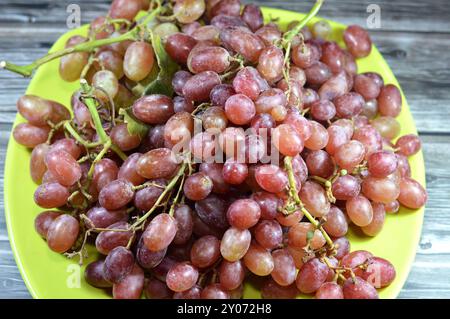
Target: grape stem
(169, 187)
(294, 194)
(288, 36)
(133, 34)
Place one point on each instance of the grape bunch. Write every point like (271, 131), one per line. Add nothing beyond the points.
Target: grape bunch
(309, 148)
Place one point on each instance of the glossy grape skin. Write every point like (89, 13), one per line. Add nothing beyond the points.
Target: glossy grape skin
(377, 222)
(63, 167)
(118, 264)
(319, 137)
(382, 163)
(214, 171)
(197, 186)
(323, 110)
(269, 33)
(183, 216)
(320, 163)
(160, 232)
(269, 99)
(199, 86)
(388, 126)
(205, 251)
(178, 46)
(234, 244)
(349, 155)
(357, 41)
(272, 290)
(51, 195)
(100, 28)
(37, 162)
(131, 286)
(209, 58)
(389, 101)
(345, 187)
(329, 290)
(35, 110)
(270, 63)
(355, 259)
(214, 291)
(212, 211)
(249, 82)
(359, 210)
(337, 136)
(105, 171)
(314, 198)
(382, 190)
(179, 79)
(252, 15)
(299, 122)
(123, 139)
(412, 194)
(408, 145)
(181, 277)
(107, 240)
(138, 61)
(336, 224)
(289, 220)
(234, 172)
(370, 137)
(349, 105)
(231, 274)
(187, 11)
(153, 109)
(271, 178)
(29, 135)
(305, 55)
(333, 56)
(116, 194)
(240, 109)
(62, 233)
(128, 170)
(243, 213)
(43, 221)
(99, 217)
(71, 65)
(287, 140)
(284, 271)
(298, 236)
(335, 86)
(246, 43)
(203, 146)
(311, 276)
(112, 61)
(93, 274)
(220, 94)
(124, 9)
(258, 260)
(156, 289)
(268, 204)
(379, 273)
(268, 234)
(318, 73)
(157, 163)
(145, 198)
(193, 293)
(359, 289)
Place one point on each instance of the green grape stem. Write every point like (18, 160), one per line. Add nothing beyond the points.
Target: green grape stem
(288, 36)
(133, 34)
(294, 195)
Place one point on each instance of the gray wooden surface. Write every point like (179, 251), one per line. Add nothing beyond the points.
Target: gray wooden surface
(414, 38)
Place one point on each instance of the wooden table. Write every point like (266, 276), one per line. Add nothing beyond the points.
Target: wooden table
(414, 38)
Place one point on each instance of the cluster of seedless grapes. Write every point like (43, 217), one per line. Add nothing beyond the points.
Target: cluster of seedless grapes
(172, 222)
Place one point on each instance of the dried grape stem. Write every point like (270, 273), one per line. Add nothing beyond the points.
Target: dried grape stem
(294, 194)
(133, 34)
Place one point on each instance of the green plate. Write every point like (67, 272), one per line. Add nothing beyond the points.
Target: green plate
(50, 275)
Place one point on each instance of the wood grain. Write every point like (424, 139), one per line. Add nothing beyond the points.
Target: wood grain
(414, 39)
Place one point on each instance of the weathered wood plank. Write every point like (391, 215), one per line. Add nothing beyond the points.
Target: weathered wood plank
(417, 61)
(395, 15)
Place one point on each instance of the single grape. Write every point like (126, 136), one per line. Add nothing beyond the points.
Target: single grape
(205, 251)
(209, 58)
(156, 289)
(62, 233)
(71, 65)
(214, 118)
(51, 195)
(240, 109)
(284, 271)
(287, 140)
(29, 135)
(131, 286)
(138, 61)
(197, 186)
(302, 234)
(105, 171)
(412, 194)
(377, 222)
(220, 94)
(272, 290)
(178, 46)
(249, 82)
(359, 289)
(118, 264)
(271, 63)
(116, 236)
(379, 272)
(183, 216)
(187, 11)
(199, 86)
(357, 41)
(121, 137)
(382, 190)
(259, 260)
(235, 244)
(157, 163)
(336, 224)
(181, 277)
(214, 291)
(268, 234)
(311, 276)
(330, 290)
(93, 274)
(100, 217)
(160, 232)
(315, 199)
(318, 138)
(213, 211)
(408, 145)
(359, 210)
(128, 170)
(116, 194)
(349, 155)
(123, 9)
(234, 172)
(345, 187)
(43, 221)
(389, 101)
(153, 109)
(243, 213)
(271, 178)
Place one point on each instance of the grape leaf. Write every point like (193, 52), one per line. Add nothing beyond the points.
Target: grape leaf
(134, 126)
(167, 68)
